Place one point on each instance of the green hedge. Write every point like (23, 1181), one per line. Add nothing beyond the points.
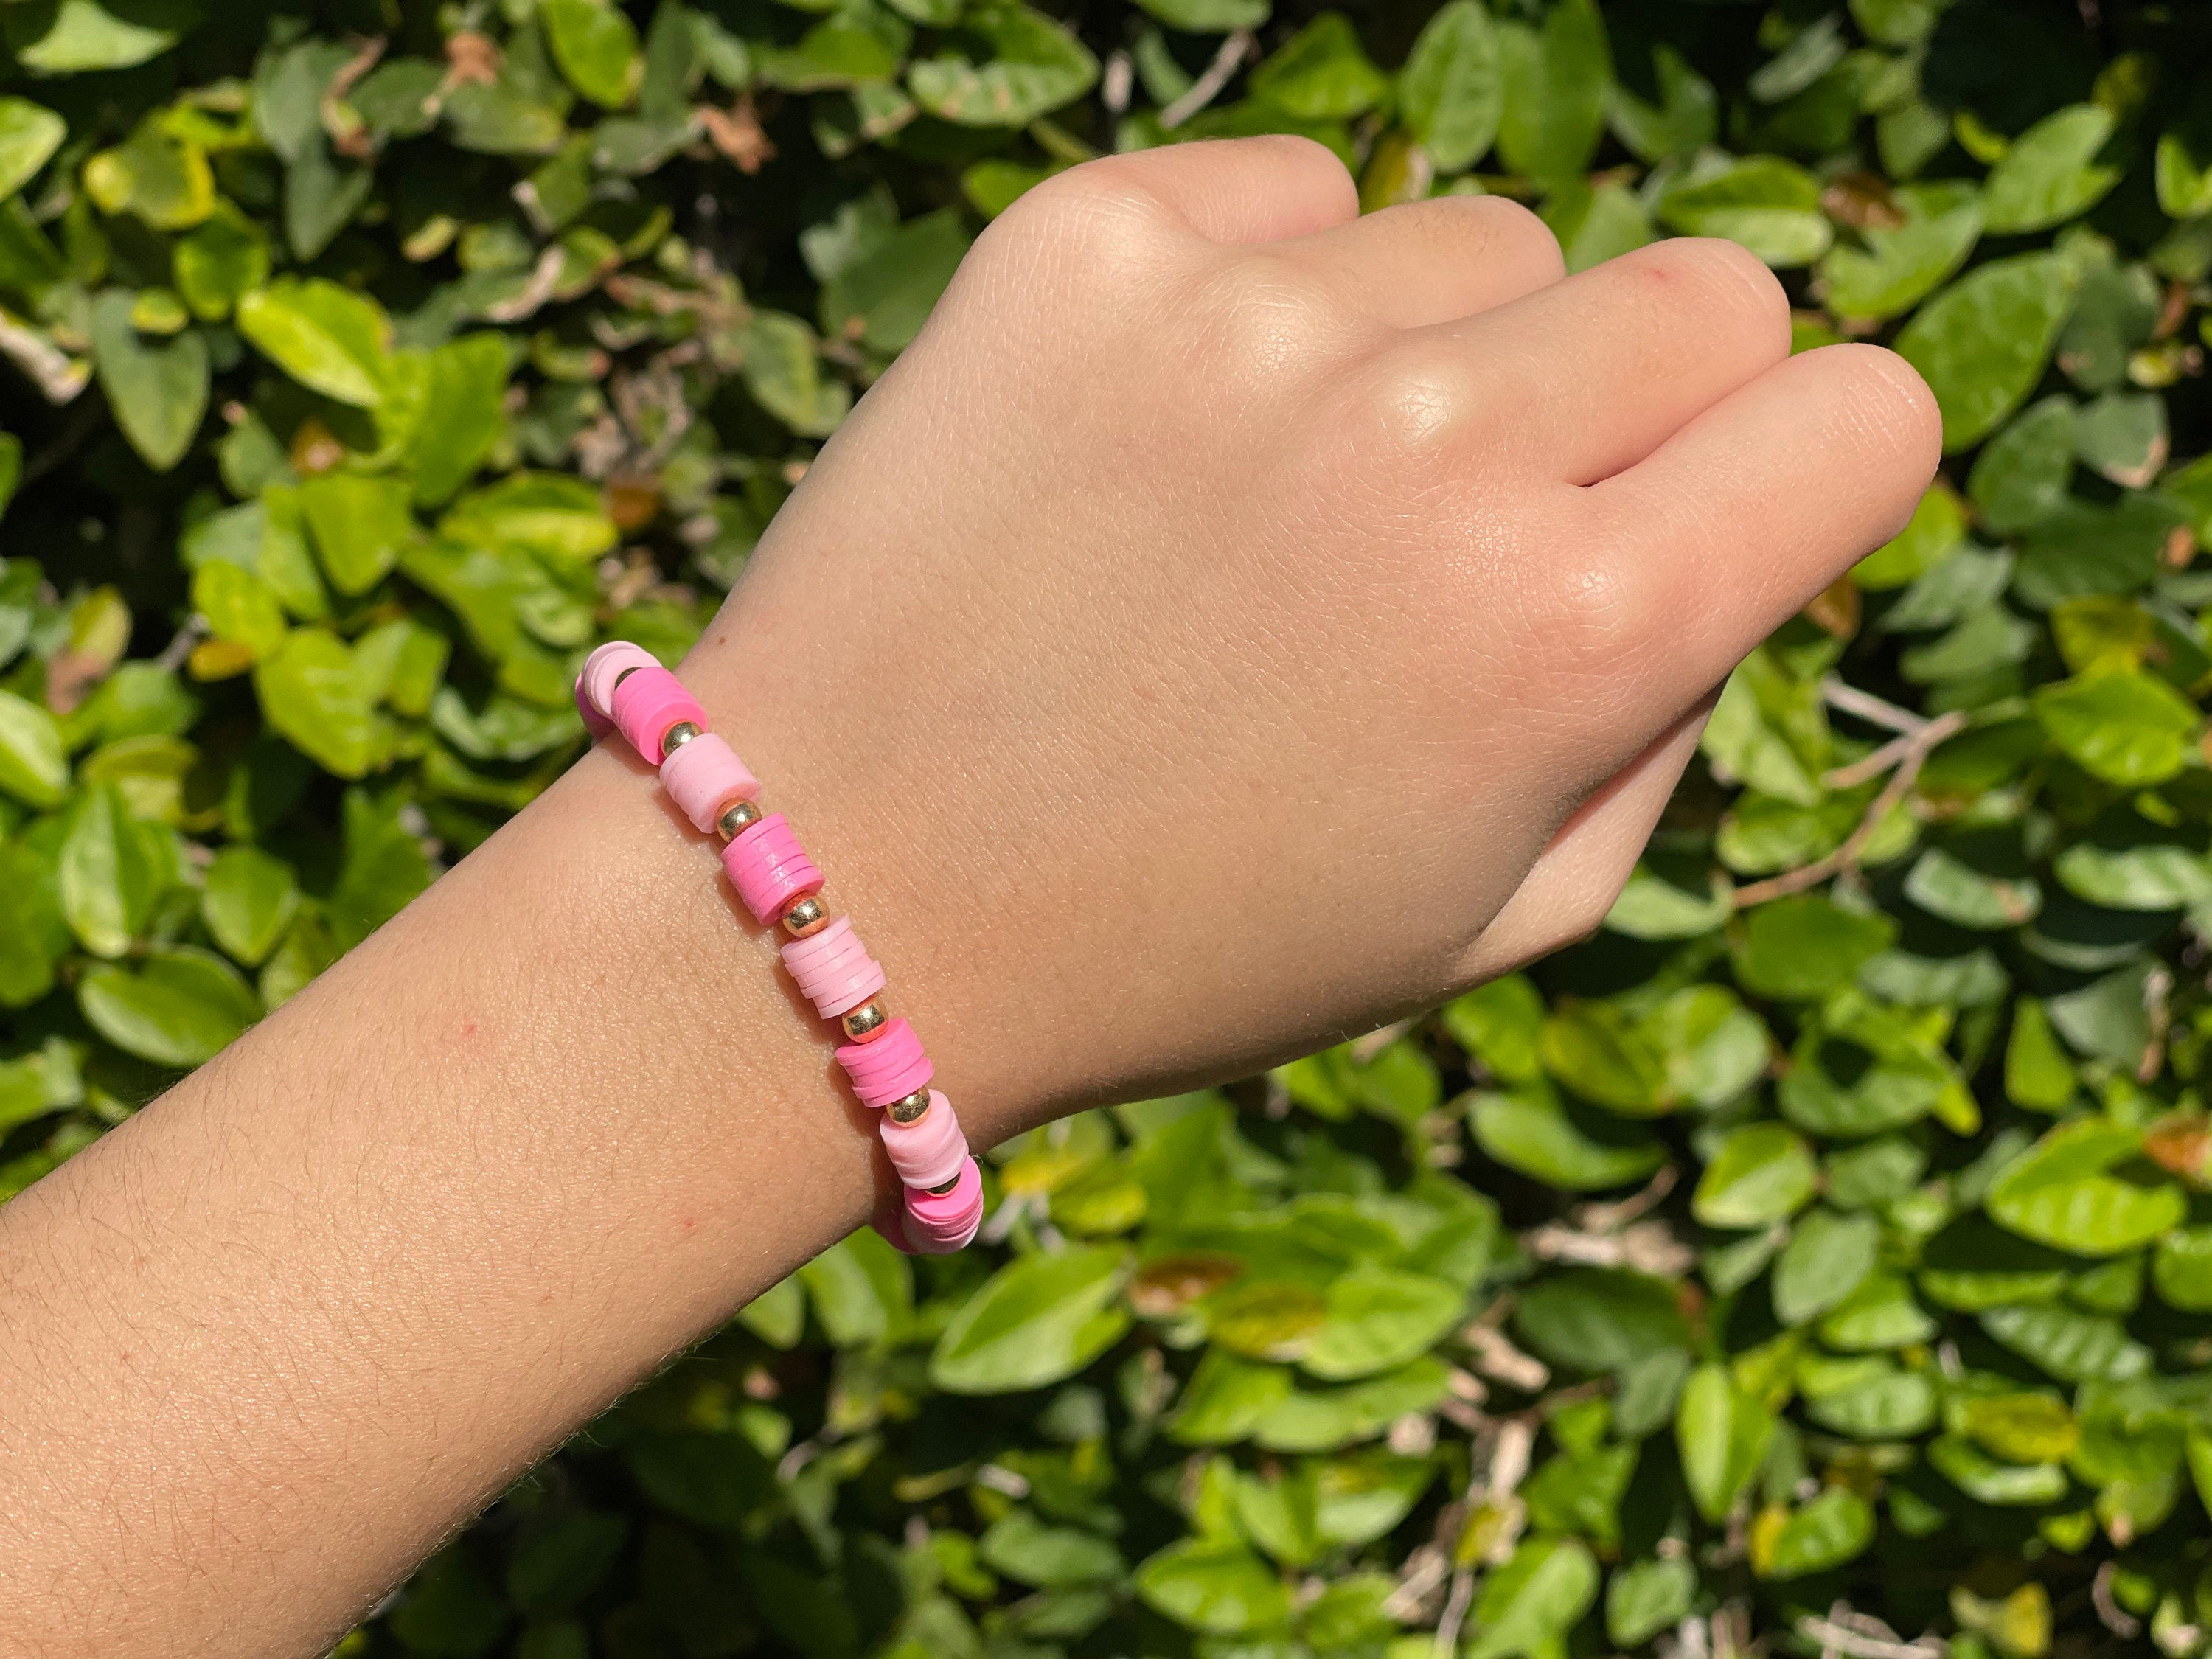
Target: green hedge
(1818, 1258)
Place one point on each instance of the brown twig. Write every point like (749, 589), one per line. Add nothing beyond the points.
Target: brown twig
(1204, 90)
(1911, 758)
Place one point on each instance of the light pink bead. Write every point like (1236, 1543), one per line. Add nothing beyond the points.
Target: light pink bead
(927, 1152)
(833, 969)
(769, 868)
(648, 703)
(594, 722)
(938, 1224)
(887, 1068)
(606, 665)
(704, 777)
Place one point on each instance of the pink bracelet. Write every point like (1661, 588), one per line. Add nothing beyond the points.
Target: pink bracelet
(624, 689)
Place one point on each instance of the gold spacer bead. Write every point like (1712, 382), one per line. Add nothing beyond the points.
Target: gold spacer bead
(910, 1109)
(809, 916)
(677, 736)
(738, 817)
(865, 1021)
(950, 1185)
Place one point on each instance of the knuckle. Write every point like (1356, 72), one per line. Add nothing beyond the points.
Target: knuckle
(1517, 231)
(1408, 400)
(1266, 316)
(1717, 276)
(1594, 613)
(1099, 217)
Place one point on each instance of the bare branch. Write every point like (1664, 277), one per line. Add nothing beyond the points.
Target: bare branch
(1204, 90)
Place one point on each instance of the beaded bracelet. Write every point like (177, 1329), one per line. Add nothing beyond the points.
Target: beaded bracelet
(624, 689)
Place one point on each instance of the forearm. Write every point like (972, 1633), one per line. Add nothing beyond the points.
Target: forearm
(269, 1339)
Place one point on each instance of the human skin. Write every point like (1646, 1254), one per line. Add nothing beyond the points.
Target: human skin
(1232, 624)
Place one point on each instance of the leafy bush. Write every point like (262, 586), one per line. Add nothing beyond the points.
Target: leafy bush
(1819, 1257)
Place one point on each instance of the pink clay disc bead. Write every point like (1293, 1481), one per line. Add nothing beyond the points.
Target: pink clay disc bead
(594, 722)
(938, 1224)
(833, 969)
(647, 703)
(704, 777)
(770, 869)
(889, 1066)
(927, 1152)
(605, 667)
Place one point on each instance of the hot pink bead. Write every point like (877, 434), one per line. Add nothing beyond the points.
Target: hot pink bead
(769, 868)
(649, 702)
(928, 1151)
(887, 1068)
(594, 722)
(595, 684)
(938, 1224)
(833, 969)
(704, 777)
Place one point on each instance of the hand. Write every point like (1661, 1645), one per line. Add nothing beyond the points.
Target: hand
(1234, 622)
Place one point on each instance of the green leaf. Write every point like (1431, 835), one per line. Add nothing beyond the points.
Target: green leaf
(1646, 1597)
(2051, 173)
(1834, 1527)
(1599, 1319)
(1215, 1585)
(1023, 65)
(326, 337)
(2020, 478)
(178, 1006)
(1828, 1256)
(1945, 886)
(1762, 1173)
(1988, 1480)
(1209, 16)
(313, 692)
(158, 392)
(1722, 1434)
(1981, 344)
(1378, 1318)
(597, 48)
(885, 296)
(1498, 1024)
(1546, 1138)
(862, 1289)
(2021, 1428)
(219, 261)
(1029, 1552)
(29, 135)
(1767, 204)
(1901, 265)
(1527, 1606)
(360, 522)
(34, 765)
(112, 869)
(1556, 84)
(2124, 727)
(1801, 948)
(2074, 1347)
(560, 518)
(69, 37)
(1320, 73)
(2181, 1272)
(2061, 1194)
(249, 901)
(464, 414)
(1452, 92)
(1880, 1315)
(1035, 1322)
(2151, 878)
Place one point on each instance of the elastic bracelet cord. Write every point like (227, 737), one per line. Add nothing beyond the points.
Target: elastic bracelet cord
(624, 689)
